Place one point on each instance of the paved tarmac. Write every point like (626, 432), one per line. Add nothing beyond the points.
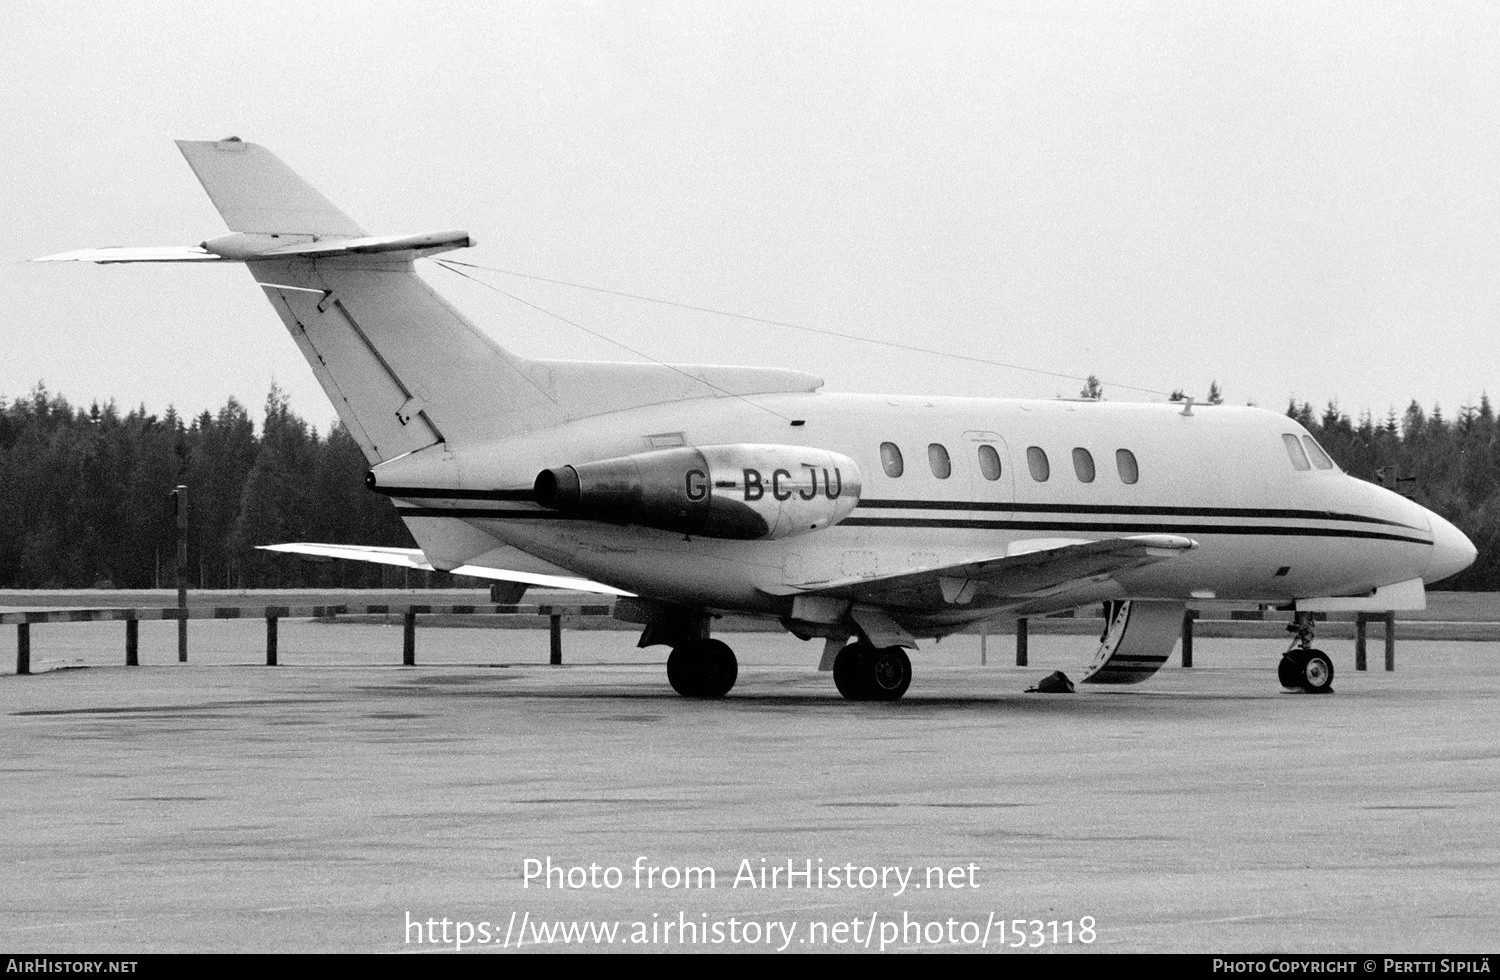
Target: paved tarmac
(333, 802)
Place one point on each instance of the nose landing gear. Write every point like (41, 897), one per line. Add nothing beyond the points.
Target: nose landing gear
(1302, 667)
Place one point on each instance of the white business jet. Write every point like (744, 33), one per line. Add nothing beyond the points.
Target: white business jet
(868, 521)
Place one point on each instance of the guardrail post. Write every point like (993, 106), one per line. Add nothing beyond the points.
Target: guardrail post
(1021, 642)
(1188, 615)
(1390, 640)
(179, 498)
(984, 649)
(1361, 627)
(23, 648)
(270, 641)
(132, 643)
(409, 640)
(556, 658)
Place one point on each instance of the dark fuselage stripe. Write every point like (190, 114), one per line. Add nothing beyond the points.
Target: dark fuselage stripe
(426, 493)
(1126, 509)
(1269, 530)
(499, 515)
(979, 506)
(980, 524)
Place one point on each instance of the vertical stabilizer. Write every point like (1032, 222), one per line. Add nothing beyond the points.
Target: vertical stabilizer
(257, 193)
(405, 370)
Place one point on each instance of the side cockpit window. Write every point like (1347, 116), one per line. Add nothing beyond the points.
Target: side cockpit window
(891, 462)
(1294, 450)
(1316, 454)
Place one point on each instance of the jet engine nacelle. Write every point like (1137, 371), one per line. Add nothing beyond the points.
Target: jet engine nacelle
(744, 492)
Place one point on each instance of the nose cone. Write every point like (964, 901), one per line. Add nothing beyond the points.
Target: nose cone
(1452, 552)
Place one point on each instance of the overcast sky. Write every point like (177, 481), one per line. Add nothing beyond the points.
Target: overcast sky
(1299, 200)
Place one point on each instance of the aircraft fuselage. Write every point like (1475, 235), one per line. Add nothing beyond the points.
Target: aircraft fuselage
(1271, 526)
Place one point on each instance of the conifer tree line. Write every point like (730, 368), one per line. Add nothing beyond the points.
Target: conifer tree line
(84, 498)
(83, 492)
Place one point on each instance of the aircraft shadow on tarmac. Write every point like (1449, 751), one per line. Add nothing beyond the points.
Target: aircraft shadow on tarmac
(915, 703)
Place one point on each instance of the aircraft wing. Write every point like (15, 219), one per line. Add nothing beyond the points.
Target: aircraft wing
(1029, 569)
(413, 558)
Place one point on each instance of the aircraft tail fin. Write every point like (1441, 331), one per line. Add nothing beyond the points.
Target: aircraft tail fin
(404, 370)
(258, 194)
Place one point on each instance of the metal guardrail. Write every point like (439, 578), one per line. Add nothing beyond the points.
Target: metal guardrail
(409, 611)
(1194, 624)
(1361, 629)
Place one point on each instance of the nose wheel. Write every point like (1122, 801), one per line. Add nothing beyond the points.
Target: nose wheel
(1303, 668)
(862, 672)
(1306, 670)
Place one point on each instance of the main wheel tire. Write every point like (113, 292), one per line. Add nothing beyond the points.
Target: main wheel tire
(887, 674)
(849, 671)
(1317, 673)
(702, 669)
(1289, 672)
(681, 673)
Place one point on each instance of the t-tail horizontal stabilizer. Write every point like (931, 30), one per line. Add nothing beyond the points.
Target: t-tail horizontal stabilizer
(241, 247)
(272, 214)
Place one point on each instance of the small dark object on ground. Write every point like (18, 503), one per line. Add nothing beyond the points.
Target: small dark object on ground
(1054, 683)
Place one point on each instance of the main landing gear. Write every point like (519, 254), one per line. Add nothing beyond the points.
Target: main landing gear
(702, 668)
(1303, 668)
(866, 673)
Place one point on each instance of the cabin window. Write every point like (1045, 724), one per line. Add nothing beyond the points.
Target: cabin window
(1125, 462)
(937, 458)
(890, 459)
(1294, 450)
(1316, 454)
(1083, 465)
(1036, 459)
(989, 462)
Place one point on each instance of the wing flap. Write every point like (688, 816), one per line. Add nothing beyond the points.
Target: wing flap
(1029, 569)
